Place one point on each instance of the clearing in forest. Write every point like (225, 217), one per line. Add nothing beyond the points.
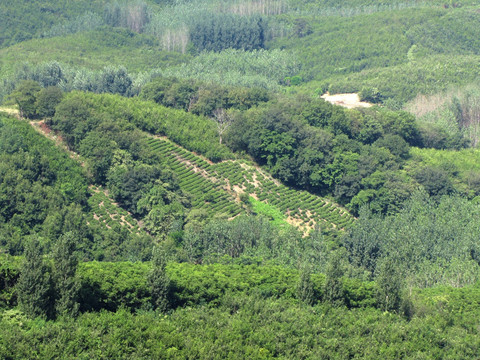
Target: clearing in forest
(348, 101)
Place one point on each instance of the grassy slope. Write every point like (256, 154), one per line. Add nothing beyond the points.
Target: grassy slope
(216, 188)
(23, 19)
(400, 48)
(344, 52)
(403, 82)
(402, 52)
(92, 50)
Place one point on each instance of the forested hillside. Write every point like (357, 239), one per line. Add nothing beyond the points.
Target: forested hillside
(173, 184)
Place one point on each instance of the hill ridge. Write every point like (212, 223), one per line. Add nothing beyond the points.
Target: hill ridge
(219, 187)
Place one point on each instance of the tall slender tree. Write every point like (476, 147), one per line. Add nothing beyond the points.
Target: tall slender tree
(67, 285)
(34, 285)
(223, 121)
(159, 280)
(305, 292)
(333, 290)
(389, 286)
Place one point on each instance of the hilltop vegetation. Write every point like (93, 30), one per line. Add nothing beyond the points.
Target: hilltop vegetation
(399, 58)
(23, 20)
(173, 186)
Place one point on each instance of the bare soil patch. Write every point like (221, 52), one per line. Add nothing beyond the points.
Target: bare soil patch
(348, 101)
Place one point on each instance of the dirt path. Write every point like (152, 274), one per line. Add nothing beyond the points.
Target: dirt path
(349, 101)
(43, 129)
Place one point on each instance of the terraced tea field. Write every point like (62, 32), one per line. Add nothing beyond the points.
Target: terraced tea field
(105, 211)
(218, 188)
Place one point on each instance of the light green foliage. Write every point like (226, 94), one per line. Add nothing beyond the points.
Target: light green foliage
(85, 22)
(408, 48)
(364, 49)
(276, 217)
(260, 68)
(453, 32)
(22, 20)
(78, 115)
(132, 15)
(224, 300)
(461, 167)
(248, 239)
(403, 82)
(407, 52)
(253, 307)
(210, 192)
(104, 211)
(200, 98)
(179, 126)
(427, 240)
(236, 290)
(249, 326)
(91, 50)
(453, 114)
(110, 286)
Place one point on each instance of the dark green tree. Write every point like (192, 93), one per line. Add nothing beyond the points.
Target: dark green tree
(65, 277)
(115, 81)
(74, 118)
(25, 96)
(47, 99)
(389, 286)
(436, 182)
(34, 285)
(370, 94)
(159, 280)
(224, 31)
(156, 89)
(99, 151)
(305, 292)
(333, 291)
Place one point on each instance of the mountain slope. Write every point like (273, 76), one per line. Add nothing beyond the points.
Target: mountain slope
(218, 188)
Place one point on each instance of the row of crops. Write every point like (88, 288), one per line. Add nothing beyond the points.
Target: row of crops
(216, 188)
(194, 177)
(105, 211)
